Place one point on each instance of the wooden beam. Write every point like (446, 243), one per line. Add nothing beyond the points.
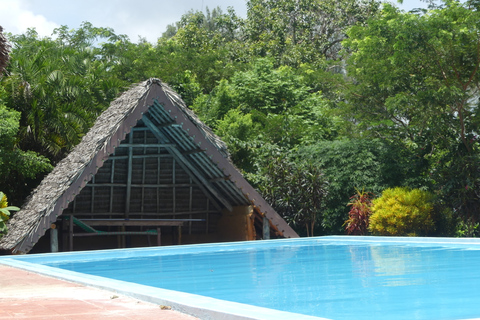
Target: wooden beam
(147, 145)
(112, 179)
(134, 185)
(166, 213)
(202, 179)
(198, 150)
(92, 197)
(141, 156)
(202, 182)
(174, 194)
(133, 223)
(129, 177)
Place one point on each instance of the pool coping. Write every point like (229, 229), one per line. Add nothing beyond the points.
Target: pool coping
(196, 305)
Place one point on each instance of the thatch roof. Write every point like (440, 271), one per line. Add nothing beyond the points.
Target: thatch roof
(157, 105)
(4, 49)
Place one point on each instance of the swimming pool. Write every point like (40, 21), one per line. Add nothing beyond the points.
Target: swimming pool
(335, 277)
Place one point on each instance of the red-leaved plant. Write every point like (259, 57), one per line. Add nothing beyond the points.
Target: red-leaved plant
(360, 209)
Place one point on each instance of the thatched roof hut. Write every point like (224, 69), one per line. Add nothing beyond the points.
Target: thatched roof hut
(148, 157)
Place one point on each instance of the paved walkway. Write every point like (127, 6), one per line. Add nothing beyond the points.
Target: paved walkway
(27, 295)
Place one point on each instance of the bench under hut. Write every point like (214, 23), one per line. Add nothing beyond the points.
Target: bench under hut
(148, 167)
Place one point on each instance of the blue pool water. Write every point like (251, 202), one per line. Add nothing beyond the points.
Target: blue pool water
(330, 277)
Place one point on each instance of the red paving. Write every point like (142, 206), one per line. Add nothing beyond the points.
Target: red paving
(27, 295)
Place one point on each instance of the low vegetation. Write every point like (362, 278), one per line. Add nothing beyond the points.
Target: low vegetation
(402, 212)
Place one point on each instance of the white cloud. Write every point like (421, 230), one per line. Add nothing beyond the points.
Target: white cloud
(15, 18)
(129, 17)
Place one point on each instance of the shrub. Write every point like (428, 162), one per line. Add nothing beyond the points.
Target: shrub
(467, 229)
(295, 189)
(5, 212)
(402, 211)
(359, 214)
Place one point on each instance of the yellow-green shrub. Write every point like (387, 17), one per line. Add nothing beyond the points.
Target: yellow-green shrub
(401, 212)
(5, 212)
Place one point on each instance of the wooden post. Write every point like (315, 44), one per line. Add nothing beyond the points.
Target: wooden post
(53, 238)
(250, 225)
(179, 241)
(266, 228)
(129, 184)
(65, 228)
(159, 237)
(70, 233)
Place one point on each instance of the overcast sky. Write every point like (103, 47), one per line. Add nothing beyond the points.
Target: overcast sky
(131, 17)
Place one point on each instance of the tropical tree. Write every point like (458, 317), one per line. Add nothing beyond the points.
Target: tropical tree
(4, 49)
(205, 45)
(265, 105)
(19, 168)
(416, 81)
(302, 31)
(59, 89)
(296, 189)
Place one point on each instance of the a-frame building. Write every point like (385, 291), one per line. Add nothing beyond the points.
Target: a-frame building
(147, 158)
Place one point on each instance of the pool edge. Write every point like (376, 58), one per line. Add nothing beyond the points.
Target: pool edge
(195, 305)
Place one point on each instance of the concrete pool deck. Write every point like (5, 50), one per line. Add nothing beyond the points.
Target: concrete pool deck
(28, 295)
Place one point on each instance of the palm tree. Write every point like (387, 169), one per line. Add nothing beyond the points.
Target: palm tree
(59, 90)
(4, 49)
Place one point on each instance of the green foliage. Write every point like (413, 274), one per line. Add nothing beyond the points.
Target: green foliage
(59, 88)
(4, 49)
(282, 110)
(17, 165)
(188, 87)
(268, 89)
(416, 82)
(238, 131)
(446, 221)
(206, 44)
(355, 164)
(5, 213)
(296, 190)
(457, 176)
(303, 31)
(401, 212)
(214, 106)
(467, 229)
(359, 214)
(274, 84)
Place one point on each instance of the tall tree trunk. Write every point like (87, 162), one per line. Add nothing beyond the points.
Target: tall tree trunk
(4, 49)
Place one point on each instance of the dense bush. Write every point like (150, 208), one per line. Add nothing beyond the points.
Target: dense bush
(402, 211)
